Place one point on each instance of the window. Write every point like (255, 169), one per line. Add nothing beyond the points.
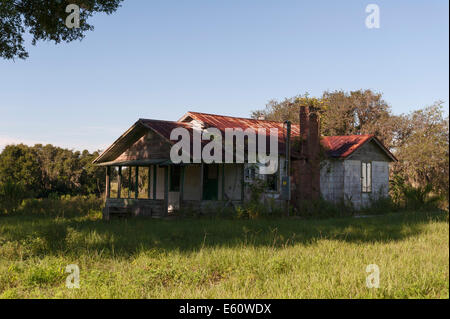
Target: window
(175, 174)
(366, 177)
(272, 182)
(249, 174)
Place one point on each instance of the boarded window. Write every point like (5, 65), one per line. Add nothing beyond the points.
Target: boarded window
(366, 177)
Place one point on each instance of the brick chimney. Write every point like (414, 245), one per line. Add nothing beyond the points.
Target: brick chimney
(308, 167)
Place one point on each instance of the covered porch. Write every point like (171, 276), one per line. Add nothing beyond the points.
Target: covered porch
(159, 188)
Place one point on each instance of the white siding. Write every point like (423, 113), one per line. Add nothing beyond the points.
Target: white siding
(352, 182)
(233, 179)
(332, 180)
(380, 179)
(192, 182)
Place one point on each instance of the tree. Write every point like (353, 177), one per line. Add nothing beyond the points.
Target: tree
(45, 170)
(342, 113)
(44, 20)
(11, 196)
(288, 109)
(424, 149)
(20, 164)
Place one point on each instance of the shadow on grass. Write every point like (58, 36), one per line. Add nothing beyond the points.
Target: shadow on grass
(127, 237)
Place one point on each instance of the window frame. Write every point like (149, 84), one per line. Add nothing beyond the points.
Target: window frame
(249, 174)
(277, 183)
(366, 187)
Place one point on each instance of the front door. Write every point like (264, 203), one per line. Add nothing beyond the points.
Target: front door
(210, 182)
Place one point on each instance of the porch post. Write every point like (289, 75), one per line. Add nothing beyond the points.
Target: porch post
(223, 181)
(108, 182)
(201, 181)
(154, 181)
(166, 190)
(181, 187)
(119, 183)
(149, 173)
(242, 183)
(129, 181)
(136, 183)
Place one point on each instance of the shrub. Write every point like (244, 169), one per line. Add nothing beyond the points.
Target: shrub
(322, 208)
(11, 196)
(411, 197)
(65, 206)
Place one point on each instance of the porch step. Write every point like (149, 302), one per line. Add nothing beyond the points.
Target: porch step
(120, 212)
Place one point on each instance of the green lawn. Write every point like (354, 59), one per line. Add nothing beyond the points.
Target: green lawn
(215, 258)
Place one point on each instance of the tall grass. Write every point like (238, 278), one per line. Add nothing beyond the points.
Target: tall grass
(64, 206)
(415, 197)
(223, 258)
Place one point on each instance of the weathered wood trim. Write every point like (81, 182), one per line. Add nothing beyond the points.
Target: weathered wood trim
(223, 182)
(134, 133)
(166, 190)
(382, 148)
(108, 182)
(242, 183)
(129, 181)
(136, 182)
(119, 183)
(202, 168)
(149, 182)
(143, 162)
(181, 186)
(154, 180)
(131, 207)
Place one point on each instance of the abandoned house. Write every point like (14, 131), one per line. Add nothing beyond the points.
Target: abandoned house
(338, 168)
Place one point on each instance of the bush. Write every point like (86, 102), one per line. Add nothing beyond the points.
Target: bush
(409, 197)
(322, 208)
(380, 205)
(11, 196)
(259, 205)
(65, 206)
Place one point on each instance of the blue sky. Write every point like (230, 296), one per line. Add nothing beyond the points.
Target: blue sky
(161, 58)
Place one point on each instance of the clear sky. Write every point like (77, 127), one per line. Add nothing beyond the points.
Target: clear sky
(161, 58)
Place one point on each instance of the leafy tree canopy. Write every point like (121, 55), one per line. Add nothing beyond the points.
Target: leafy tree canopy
(44, 20)
(45, 170)
(342, 113)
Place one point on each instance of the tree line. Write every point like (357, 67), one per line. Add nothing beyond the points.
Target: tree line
(43, 171)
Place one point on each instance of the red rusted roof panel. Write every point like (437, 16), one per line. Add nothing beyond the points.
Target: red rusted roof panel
(221, 122)
(335, 146)
(164, 128)
(343, 146)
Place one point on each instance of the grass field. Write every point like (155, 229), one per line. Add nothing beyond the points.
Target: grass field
(215, 258)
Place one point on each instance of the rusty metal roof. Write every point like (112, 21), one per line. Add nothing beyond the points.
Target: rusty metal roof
(221, 122)
(334, 146)
(164, 128)
(344, 146)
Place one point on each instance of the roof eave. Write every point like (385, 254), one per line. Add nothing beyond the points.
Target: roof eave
(378, 142)
(117, 141)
